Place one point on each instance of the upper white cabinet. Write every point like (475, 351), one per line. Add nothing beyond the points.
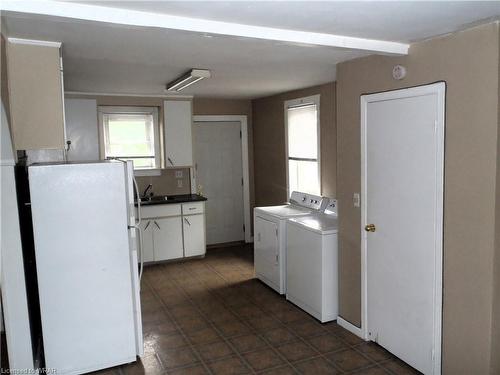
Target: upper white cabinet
(81, 129)
(36, 94)
(178, 120)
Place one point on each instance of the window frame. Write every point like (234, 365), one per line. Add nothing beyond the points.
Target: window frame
(154, 111)
(300, 102)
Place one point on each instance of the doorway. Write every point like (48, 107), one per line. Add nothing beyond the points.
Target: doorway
(221, 171)
(402, 138)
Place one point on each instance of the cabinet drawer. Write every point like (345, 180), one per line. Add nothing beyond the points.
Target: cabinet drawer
(192, 208)
(160, 210)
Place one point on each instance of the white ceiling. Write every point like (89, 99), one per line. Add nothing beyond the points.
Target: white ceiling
(401, 21)
(111, 58)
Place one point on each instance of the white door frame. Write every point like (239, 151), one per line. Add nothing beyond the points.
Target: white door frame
(439, 89)
(242, 119)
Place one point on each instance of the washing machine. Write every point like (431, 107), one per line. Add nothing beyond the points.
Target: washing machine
(312, 263)
(270, 236)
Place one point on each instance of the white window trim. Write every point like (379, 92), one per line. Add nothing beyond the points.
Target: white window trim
(313, 99)
(156, 129)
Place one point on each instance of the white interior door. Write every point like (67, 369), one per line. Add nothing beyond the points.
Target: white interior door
(219, 171)
(403, 190)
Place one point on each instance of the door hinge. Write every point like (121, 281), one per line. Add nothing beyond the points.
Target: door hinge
(243, 227)
(276, 232)
(240, 134)
(242, 181)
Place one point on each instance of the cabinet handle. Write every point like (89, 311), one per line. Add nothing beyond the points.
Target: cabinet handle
(170, 161)
(187, 221)
(147, 225)
(157, 225)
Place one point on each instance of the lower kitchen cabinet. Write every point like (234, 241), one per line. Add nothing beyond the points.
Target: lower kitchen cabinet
(167, 238)
(194, 235)
(147, 241)
(168, 233)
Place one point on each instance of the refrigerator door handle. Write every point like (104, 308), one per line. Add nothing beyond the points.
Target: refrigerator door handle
(139, 230)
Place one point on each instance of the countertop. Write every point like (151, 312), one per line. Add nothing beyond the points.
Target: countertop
(172, 199)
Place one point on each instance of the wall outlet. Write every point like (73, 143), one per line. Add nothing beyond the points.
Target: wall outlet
(178, 174)
(356, 200)
(179, 183)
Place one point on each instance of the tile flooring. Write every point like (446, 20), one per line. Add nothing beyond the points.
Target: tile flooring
(210, 316)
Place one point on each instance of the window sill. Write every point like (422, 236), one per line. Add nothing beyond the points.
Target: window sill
(147, 172)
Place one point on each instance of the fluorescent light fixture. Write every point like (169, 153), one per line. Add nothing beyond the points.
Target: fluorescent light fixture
(193, 76)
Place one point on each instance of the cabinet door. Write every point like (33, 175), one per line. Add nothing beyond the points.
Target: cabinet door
(81, 129)
(266, 251)
(36, 95)
(167, 238)
(178, 133)
(147, 241)
(194, 235)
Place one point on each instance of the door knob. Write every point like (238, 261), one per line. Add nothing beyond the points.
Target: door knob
(370, 228)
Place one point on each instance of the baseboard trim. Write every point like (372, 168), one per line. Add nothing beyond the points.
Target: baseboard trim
(350, 327)
(225, 244)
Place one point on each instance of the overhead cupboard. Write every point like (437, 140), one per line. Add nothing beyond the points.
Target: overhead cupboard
(36, 77)
(178, 122)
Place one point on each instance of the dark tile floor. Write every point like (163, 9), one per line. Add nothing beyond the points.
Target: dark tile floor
(210, 316)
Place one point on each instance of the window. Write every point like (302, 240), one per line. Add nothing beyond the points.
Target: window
(131, 133)
(302, 136)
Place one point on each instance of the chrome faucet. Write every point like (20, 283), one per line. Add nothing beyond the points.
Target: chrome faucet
(144, 194)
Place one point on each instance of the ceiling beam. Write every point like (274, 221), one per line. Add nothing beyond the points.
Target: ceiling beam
(165, 21)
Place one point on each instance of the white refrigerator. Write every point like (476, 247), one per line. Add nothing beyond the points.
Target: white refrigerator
(84, 231)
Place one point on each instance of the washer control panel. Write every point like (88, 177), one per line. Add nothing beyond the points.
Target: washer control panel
(307, 200)
(331, 206)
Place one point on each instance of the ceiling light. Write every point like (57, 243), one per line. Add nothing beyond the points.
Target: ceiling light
(193, 76)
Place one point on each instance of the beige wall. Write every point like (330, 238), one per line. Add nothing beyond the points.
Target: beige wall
(269, 143)
(468, 62)
(495, 351)
(208, 106)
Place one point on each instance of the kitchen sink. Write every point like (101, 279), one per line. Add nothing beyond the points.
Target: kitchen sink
(154, 199)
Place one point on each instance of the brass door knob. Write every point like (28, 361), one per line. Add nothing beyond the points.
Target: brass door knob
(370, 228)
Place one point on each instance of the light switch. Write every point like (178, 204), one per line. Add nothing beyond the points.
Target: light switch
(179, 183)
(178, 174)
(356, 200)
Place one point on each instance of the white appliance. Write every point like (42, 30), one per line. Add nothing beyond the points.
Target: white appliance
(84, 234)
(12, 280)
(312, 263)
(270, 236)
